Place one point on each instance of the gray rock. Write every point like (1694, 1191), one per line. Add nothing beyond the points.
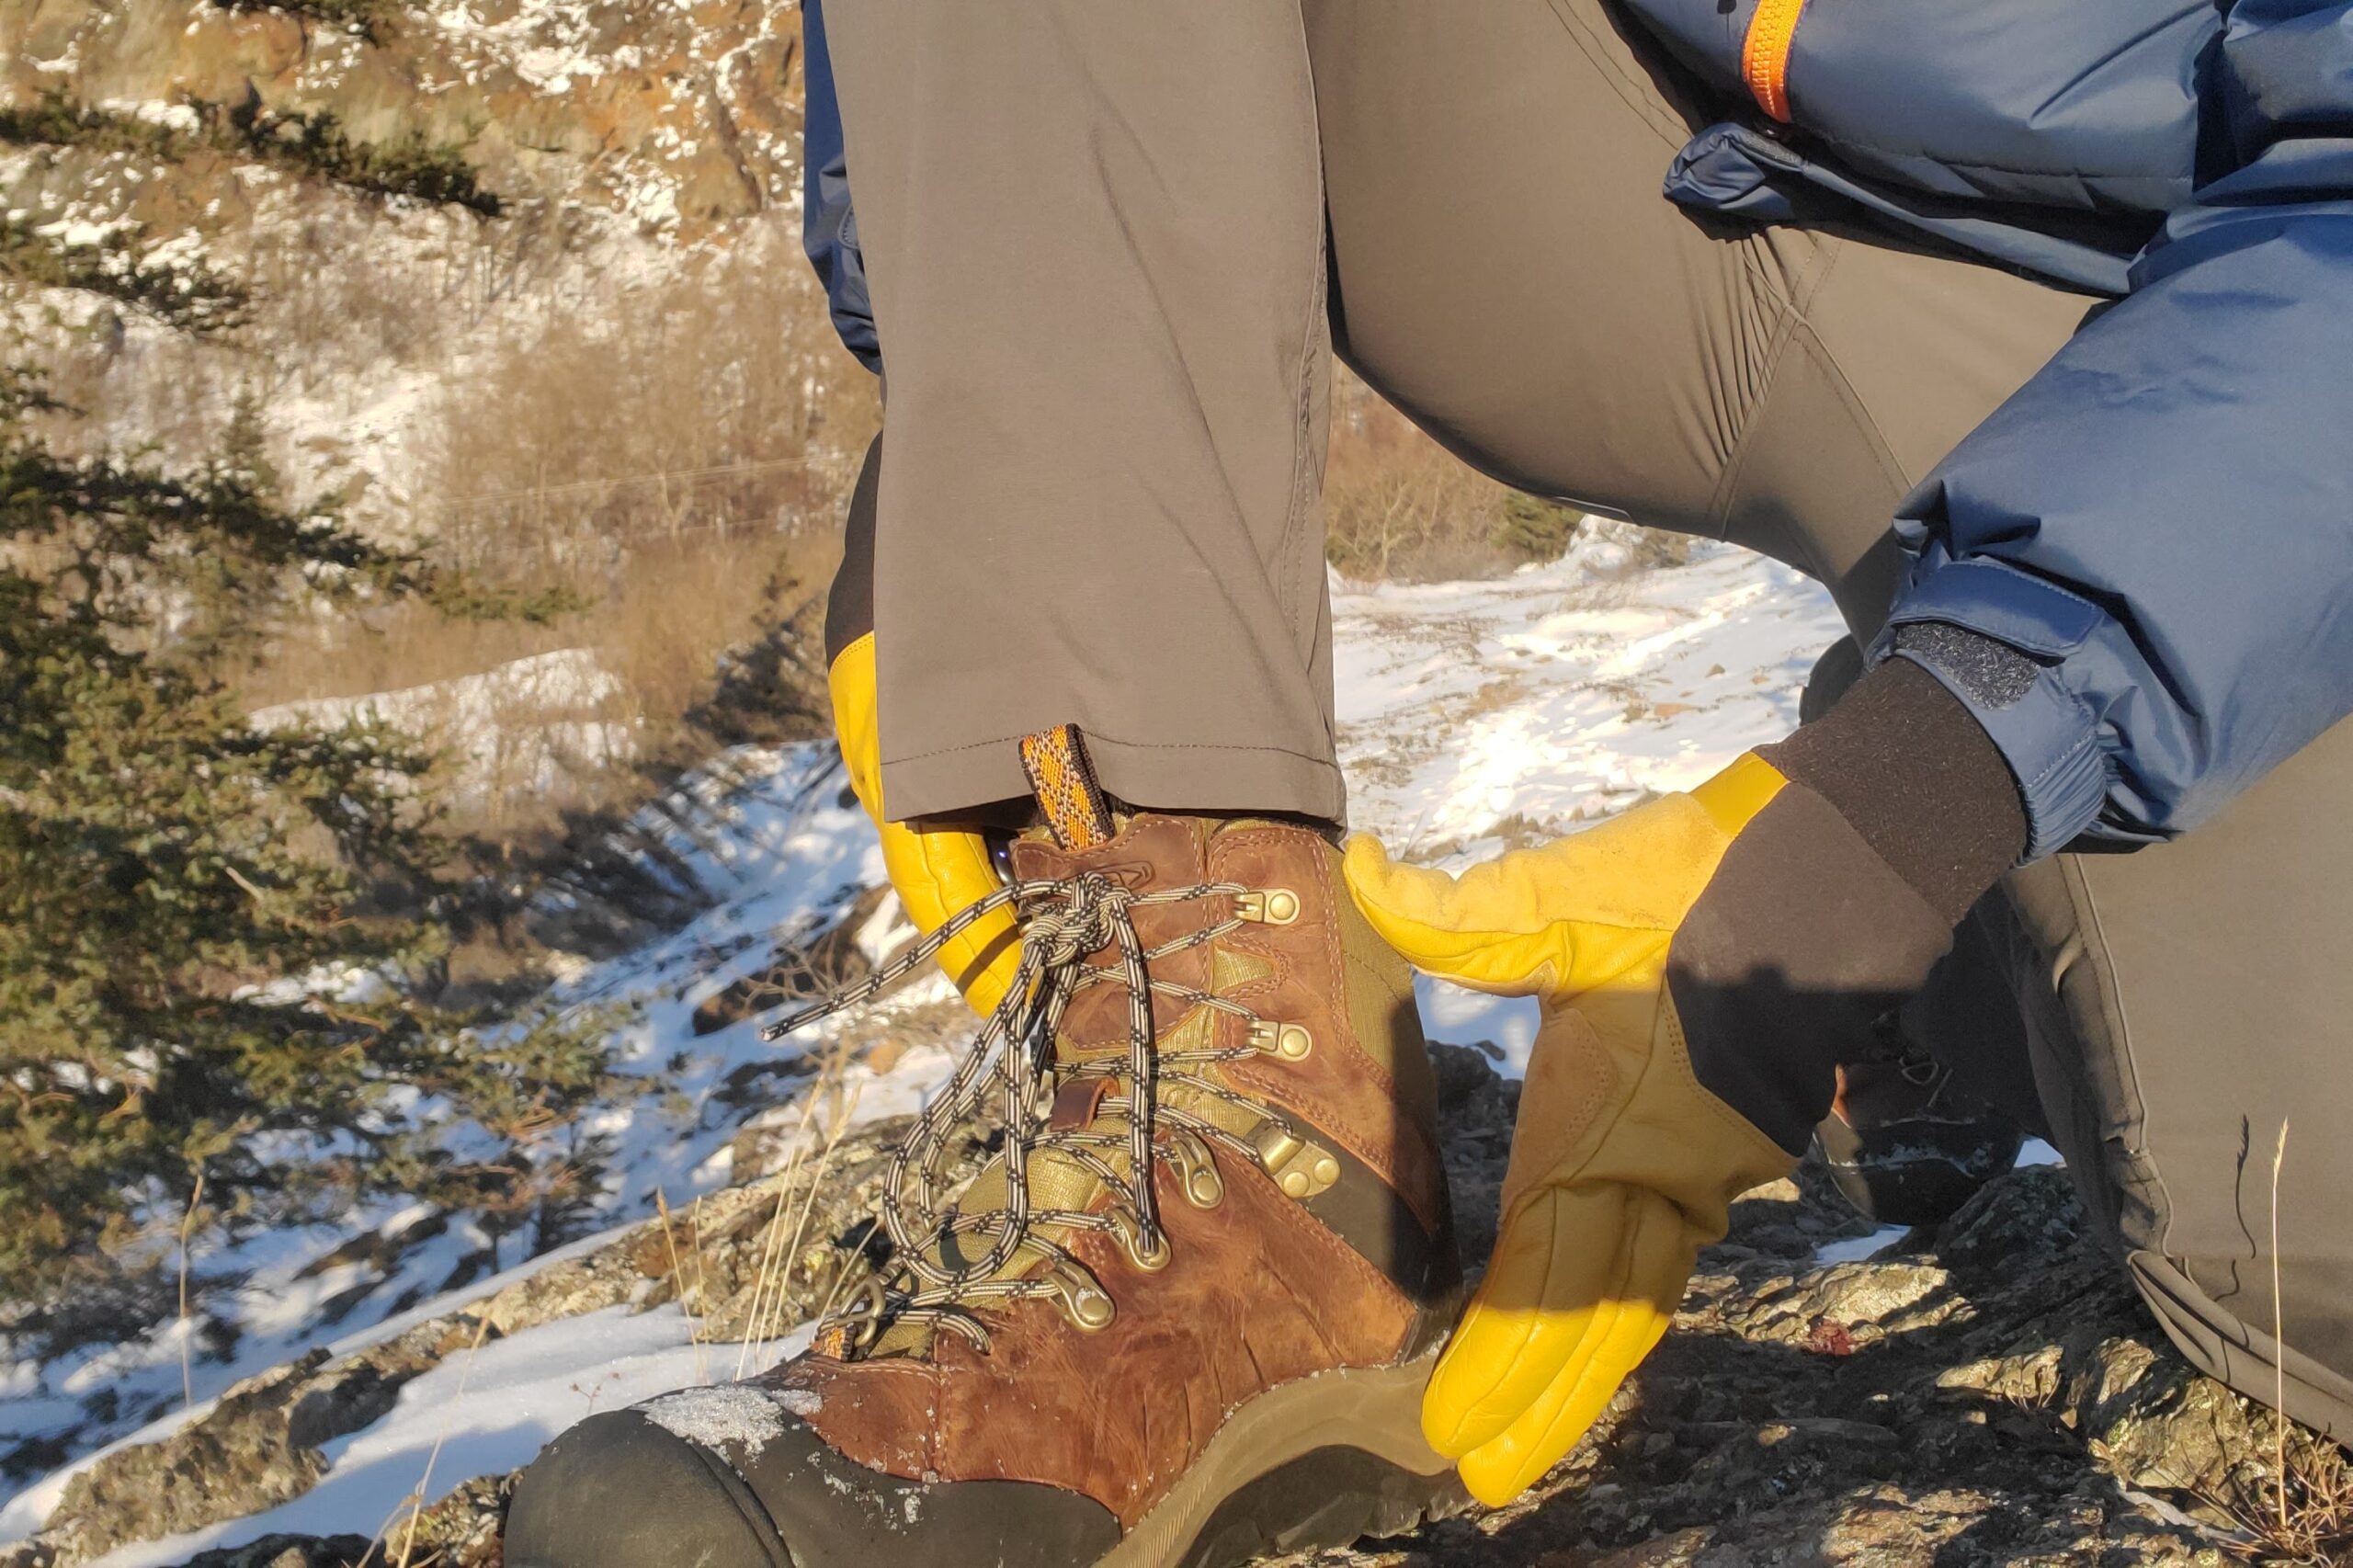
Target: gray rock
(256, 1448)
(235, 1460)
(290, 1552)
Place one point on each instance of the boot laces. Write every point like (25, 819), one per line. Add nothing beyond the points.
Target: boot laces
(932, 1279)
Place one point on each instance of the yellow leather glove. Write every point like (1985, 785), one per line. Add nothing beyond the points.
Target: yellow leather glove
(1623, 1166)
(936, 872)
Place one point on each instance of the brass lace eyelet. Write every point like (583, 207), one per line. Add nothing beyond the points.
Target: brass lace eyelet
(1197, 1171)
(1300, 1168)
(1082, 1300)
(1129, 1230)
(1267, 906)
(1291, 1042)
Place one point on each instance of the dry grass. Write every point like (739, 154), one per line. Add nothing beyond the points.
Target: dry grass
(415, 1501)
(1399, 507)
(685, 473)
(2294, 1506)
(2296, 1509)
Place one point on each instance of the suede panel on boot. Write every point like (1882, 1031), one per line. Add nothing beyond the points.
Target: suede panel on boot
(1340, 1088)
(1258, 1295)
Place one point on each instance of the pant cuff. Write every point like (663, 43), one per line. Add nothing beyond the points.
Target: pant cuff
(1157, 777)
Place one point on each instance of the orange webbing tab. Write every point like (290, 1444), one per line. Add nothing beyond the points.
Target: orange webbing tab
(1064, 781)
(1765, 58)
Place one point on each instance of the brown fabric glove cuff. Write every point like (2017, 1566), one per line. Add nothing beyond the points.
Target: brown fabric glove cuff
(1917, 778)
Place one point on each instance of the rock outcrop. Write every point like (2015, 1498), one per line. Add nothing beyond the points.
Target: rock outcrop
(677, 115)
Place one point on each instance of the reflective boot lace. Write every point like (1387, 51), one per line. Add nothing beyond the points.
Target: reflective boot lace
(932, 1279)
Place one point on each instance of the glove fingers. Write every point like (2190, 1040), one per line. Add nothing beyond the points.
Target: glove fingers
(1557, 1261)
(938, 874)
(1623, 1332)
(1481, 930)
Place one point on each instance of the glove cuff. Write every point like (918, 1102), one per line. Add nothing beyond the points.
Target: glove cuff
(1912, 772)
(1803, 940)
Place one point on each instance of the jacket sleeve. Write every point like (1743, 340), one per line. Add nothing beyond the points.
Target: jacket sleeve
(2158, 528)
(828, 226)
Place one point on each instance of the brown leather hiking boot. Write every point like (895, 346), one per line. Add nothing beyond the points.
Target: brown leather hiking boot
(1068, 1365)
(1904, 1142)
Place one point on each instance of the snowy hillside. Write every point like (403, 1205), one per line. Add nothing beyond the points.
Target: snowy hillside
(1473, 715)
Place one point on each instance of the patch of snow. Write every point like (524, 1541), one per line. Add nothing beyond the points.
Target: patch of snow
(1564, 693)
(1859, 1248)
(177, 117)
(1478, 715)
(522, 724)
(715, 1417)
(81, 233)
(481, 1414)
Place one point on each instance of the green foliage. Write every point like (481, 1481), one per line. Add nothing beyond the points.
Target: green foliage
(313, 144)
(203, 966)
(53, 121)
(191, 296)
(370, 18)
(316, 145)
(1535, 529)
(524, 1085)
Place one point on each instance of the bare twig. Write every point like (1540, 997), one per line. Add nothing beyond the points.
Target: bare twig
(188, 1329)
(678, 1273)
(702, 1294)
(840, 1125)
(425, 1483)
(771, 1241)
(2280, 1335)
(239, 878)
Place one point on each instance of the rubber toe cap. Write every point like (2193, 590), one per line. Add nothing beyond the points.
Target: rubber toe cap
(618, 1492)
(635, 1489)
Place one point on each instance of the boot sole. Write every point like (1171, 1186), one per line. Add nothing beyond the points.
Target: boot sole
(1273, 1480)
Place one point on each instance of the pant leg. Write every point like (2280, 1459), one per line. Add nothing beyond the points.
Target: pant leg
(2183, 1002)
(1559, 325)
(1093, 234)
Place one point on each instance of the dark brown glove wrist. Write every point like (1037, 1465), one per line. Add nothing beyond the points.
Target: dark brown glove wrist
(1834, 903)
(1910, 769)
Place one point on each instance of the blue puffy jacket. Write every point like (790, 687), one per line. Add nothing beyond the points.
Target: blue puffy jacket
(2162, 518)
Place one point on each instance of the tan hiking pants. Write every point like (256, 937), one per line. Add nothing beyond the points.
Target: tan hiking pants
(1110, 245)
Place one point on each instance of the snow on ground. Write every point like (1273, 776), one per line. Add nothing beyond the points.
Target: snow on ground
(771, 837)
(1857, 1248)
(1474, 716)
(524, 726)
(483, 1413)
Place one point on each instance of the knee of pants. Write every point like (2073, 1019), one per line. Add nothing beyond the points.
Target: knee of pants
(2186, 1006)
(1505, 267)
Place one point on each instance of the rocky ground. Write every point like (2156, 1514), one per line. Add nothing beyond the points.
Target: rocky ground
(1987, 1392)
